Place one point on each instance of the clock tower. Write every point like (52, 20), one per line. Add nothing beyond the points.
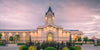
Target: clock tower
(49, 17)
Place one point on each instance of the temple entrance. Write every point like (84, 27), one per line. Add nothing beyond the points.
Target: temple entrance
(50, 37)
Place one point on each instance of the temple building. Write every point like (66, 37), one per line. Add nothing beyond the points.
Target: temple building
(48, 32)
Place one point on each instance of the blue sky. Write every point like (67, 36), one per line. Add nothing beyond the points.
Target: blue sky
(81, 15)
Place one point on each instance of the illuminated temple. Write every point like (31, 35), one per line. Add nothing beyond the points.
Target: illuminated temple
(48, 32)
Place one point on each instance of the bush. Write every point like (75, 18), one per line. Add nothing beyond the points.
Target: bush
(50, 48)
(32, 48)
(20, 47)
(11, 38)
(78, 48)
(98, 44)
(21, 43)
(2, 44)
(25, 48)
(78, 43)
(75, 48)
(72, 48)
(65, 48)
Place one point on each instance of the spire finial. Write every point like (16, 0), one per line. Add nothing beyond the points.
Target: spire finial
(50, 4)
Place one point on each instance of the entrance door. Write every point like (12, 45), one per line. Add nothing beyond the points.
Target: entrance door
(50, 37)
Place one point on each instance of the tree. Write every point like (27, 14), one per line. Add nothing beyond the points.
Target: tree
(11, 38)
(0, 37)
(85, 39)
(76, 38)
(79, 39)
(70, 39)
(17, 37)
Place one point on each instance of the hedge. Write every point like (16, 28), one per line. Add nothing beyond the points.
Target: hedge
(21, 43)
(50, 48)
(2, 44)
(75, 48)
(78, 43)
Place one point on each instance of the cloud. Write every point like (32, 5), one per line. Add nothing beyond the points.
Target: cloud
(20, 15)
(71, 14)
(79, 16)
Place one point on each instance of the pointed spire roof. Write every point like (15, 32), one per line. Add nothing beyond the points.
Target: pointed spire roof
(49, 10)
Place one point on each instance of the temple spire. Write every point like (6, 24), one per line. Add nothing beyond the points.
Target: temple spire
(49, 4)
(50, 10)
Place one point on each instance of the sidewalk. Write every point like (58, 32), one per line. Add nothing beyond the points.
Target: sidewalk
(90, 47)
(9, 48)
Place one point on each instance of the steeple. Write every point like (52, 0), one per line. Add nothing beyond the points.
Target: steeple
(49, 17)
(49, 10)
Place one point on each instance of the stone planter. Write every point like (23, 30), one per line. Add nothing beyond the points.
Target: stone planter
(12, 45)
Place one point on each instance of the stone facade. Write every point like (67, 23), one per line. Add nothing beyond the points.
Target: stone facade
(47, 32)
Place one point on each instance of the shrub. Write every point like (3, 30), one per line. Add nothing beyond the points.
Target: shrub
(20, 47)
(50, 48)
(25, 48)
(21, 43)
(32, 48)
(78, 43)
(72, 48)
(65, 48)
(2, 44)
(11, 38)
(98, 44)
(77, 48)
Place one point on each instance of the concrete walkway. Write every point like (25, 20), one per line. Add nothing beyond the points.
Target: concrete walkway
(90, 47)
(9, 48)
(83, 48)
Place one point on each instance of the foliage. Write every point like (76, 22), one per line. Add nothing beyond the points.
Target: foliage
(11, 38)
(70, 39)
(2, 44)
(74, 41)
(72, 48)
(75, 48)
(52, 44)
(85, 39)
(78, 43)
(25, 48)
(68, 44)
(79, 39)
(21, 43)
(44, 45)
(32, 48)
(65, 48)
(0, 36)
(17, 37)
(48, 44)
(98, 44)
(50, 48)
(21, 46)
(76, 38)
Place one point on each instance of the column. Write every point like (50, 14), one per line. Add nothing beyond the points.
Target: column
(3, 36)
(82, 37)
(24, 37)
